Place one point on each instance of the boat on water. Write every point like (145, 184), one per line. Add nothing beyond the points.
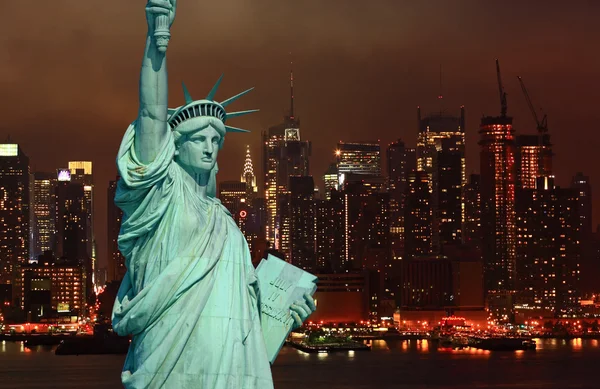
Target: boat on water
(501, 343)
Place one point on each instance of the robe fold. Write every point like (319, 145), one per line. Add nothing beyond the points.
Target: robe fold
(189, 297)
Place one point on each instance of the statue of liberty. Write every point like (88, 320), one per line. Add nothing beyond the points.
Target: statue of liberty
(190, 297)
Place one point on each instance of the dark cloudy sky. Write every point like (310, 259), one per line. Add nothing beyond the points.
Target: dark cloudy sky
(69, 73)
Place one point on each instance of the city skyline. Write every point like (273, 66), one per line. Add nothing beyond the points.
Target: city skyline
(89, 93)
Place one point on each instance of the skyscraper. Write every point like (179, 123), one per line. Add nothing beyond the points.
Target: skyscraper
(472, 199)
(14, 213)
(330, 180)
(302, 223)
(81, 172)
(401, 161)
(450, 186)
(548, 250)
(248, 177)
(71, 240)
(418, 212)
(358, 158)
(330, 233)
(43, 205)
(284, 155)
(441, 154)
(589, 254)
(528, 157)
(232, 194)
(367, 221)
(498, 179)
(116, 261)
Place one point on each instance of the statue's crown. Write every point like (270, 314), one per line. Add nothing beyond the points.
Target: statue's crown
(207, 107)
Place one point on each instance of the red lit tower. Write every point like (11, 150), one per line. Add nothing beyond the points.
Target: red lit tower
(498, 178)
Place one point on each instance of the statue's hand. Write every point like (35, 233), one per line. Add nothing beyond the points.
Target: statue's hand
(302, 309)
(155, 8)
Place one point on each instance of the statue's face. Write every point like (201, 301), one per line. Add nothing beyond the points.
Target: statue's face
(199, 152)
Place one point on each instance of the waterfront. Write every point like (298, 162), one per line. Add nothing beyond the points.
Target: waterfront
(557, 364)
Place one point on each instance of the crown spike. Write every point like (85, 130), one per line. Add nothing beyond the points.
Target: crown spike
(234, 98)
(234, 129)
(186, 94)
(239, 113)
(213, 91)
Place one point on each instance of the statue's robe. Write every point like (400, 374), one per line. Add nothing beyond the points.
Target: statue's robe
(189, 297)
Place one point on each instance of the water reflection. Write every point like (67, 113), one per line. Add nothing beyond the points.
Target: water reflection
(576, 343)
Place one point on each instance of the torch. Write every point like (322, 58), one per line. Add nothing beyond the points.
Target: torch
(161, 32)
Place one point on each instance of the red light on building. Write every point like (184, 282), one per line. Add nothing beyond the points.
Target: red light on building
(243, 214)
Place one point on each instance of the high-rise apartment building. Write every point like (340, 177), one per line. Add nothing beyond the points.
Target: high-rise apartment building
(498, 180)
(589, 254)
(43, 204)
(81, 172)
(548, 250)
(418, 214)
(358, 158)
(71, 239)
(472, 199)
(401, 161)
(303, 223)
(528, 157)
(441, 154)
(330, 234)
(331, 180)
(52, 285)
(116, 261)
(233, 194)
(14, 213)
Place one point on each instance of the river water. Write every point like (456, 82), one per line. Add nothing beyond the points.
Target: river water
(556, 364)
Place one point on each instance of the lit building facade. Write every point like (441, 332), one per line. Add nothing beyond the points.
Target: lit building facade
(81, 172)
(57, 283)
(498, 180)
(366, 221)
(330, 234)
(232, 195)
(330, 180)
(303, 223)
(590, 266)
(401, 161)
(116, 261)
(528, 157)
(418, 215)
(441, 154)
(71, 239)
(43, 205)
(548, 250)
(248, 177)
(14, 213)
(472, 201)
(358, 158)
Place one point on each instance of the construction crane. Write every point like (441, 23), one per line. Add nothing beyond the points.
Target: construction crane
(542, 127)
(503, 104)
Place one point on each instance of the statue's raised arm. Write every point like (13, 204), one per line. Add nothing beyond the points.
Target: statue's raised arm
(151, 126)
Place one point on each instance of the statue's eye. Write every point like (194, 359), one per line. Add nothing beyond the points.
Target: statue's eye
(202, 138)
(215, 139)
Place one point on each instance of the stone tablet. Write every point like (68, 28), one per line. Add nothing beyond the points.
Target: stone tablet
(281, 284)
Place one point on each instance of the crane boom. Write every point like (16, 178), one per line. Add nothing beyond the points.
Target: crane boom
(542, 125)
(542, 129)
(503, 103)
